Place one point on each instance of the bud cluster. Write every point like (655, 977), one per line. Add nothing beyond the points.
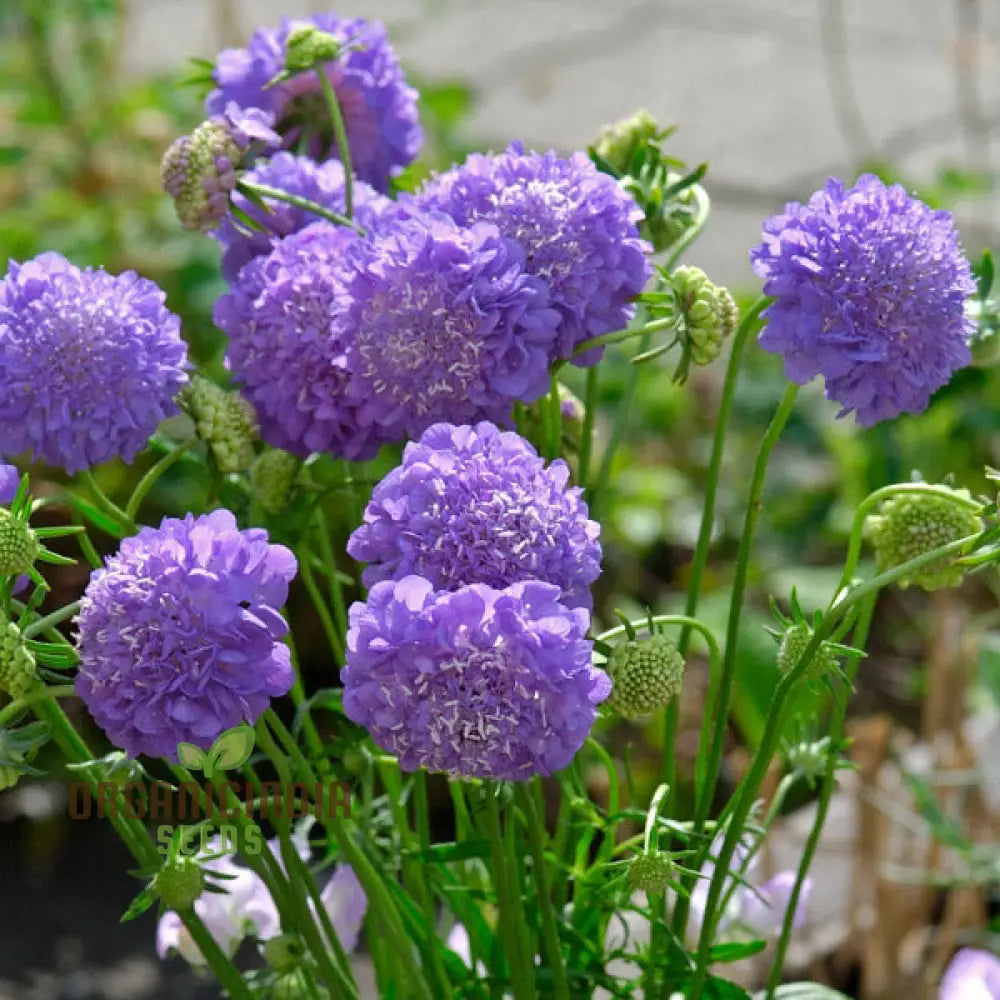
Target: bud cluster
(909, 525)
(19, 546)
(272, 477)
(18, 672)
(224, 420)
(708, 312)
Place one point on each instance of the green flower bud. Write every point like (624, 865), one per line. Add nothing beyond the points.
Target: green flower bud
(651, 871)
(19, 547)
(224, 420)
(617, 143)
(293, 986)
(708, 311)
(283, 953)
(809, 759)
(272, 476)
(179, 883)
(910, 524)
(18, 673)
(199, 172)
(308, 46)
(645, 674)
(793, 645)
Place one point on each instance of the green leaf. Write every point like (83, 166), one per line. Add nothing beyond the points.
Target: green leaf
(139, 905)
(191, 756)
(735, 951)
(233, 748)
(444, 853)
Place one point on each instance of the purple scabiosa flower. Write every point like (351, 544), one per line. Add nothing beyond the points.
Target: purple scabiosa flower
(243, 907)
(379, 108)
(869, 287)
(287, 345)
(577, 226)
(971, 975)
(478, 505)
(476, 682)
(91, 362)
(179, 634)
(321, 183)
(446, 326)
(10, 480)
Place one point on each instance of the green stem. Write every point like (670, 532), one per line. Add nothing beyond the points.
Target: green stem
(379, 898)
(51, 619)
(521, 972)
(718, 710)
(151, 477)
(587, 436)
(106, 504)
(618, 336)
(227, 973)
(333, 574)
(550, 931)
(33, 697)
(329, 628)
(704, 205)
(858, 641)
(299, 699)
(340, 132)
(276, 194)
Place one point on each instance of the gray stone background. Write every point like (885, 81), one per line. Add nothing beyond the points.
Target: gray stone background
(775, 94)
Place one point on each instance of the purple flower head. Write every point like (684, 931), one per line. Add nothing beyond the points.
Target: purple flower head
(577, 226)
(10, 480)
(322, 183)
(477, 682)
(179, 634)
(447, 326)
(243, 907)
(870, 286)
(478, 505)
(91, 362)
(287, 347)
(971, 975)
(379, 108)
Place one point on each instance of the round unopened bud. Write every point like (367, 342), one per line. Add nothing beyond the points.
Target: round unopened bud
(811, 760)
(645, 674)
(708, 310)
(272, 476)
(224, 420)
(295, 986)
(179, 883)
(308, 46)
(651, 871)
(793, 644)
(199, 171)
(910, 524)
(617, 143)
(19, 546)
(18, 673)
(283, 953)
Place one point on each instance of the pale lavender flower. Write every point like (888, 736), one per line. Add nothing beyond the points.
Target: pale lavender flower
(972, 974)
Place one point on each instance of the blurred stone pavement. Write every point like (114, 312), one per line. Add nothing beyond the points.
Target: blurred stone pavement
(774, 94)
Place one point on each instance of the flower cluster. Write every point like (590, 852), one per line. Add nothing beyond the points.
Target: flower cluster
(179, 634)
(470, 655)
(869, 286)
(91, 362)
(378, 107)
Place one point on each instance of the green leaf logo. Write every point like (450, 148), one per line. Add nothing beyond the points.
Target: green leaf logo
(231, 749)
